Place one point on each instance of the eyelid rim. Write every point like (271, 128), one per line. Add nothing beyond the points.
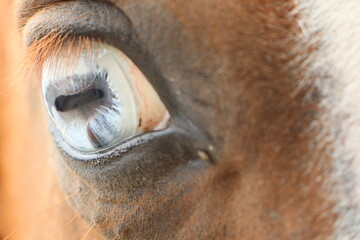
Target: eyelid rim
(115, 150)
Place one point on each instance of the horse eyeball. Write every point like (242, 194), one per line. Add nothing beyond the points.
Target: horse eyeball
(100, 99)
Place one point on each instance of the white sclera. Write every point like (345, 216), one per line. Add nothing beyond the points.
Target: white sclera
(110, 121)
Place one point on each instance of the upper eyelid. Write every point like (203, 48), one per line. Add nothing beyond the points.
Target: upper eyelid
(28, 8)
(75, 19)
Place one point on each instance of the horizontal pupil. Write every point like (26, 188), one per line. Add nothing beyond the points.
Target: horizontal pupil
(64, 103)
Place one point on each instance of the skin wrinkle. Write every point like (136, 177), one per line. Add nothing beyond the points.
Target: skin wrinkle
(243, 61)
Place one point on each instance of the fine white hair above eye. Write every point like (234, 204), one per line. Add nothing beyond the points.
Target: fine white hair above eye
(100, 98)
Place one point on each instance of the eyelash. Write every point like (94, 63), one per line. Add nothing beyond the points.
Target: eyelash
(48, 47)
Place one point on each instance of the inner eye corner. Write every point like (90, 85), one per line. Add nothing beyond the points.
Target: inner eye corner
(100, 100)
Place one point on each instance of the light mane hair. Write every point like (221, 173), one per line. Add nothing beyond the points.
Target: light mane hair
(331, 29)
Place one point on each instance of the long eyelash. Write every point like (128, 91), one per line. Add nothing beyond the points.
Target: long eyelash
(112, 212)
(49, 46)
(131, 212)
(88, 232)
(86, 208)
(53, 206)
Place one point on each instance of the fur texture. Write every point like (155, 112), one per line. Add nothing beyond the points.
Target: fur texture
(332, 30)
(272, 85)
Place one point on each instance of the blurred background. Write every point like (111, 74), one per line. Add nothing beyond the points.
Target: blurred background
(25, 174)
(11, 114)
(28, 184)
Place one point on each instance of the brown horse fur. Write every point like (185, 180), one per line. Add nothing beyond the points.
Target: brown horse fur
(259, 80)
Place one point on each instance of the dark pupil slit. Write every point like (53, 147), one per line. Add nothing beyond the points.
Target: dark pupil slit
(64, 103)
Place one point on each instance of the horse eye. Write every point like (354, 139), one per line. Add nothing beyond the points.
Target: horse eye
(99, 98)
